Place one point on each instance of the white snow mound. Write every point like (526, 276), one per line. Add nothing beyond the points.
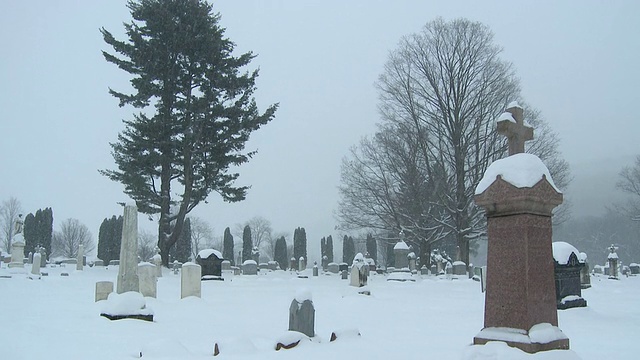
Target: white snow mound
(520, 170)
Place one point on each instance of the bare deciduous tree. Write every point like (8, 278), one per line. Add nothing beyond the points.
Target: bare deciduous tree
(146, 245)
(9, 211)
(201, 236)
(260, 231)
(72, 234)
(629, 182)
(440, 94)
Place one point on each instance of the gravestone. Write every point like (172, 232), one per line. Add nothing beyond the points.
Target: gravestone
(292, 264)
(567, 269)
(190, 284)
(424, 270)
(98, 262)
(272, 265)
(612, 259)
(17, 253)
(148, 279)
(103, 289)
(434, 269)
(157, 261)
(585, 276)
(344, 275)
(400, 252)
(333, 268)
(35, 265)
(225, 265)
(302, 264)
(518, 197)
(114, 262)
(325, 263)
(358, 271)
(128, 271)
(302, 314)
(30, 261)
(343, 267)
(411, 257)
(459, 268)
(315, 269)
(80, 258)
(249, 267)
(211, 262)
(634, 268)
(43, 257)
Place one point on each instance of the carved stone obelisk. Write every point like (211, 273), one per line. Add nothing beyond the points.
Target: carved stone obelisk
(128, 271)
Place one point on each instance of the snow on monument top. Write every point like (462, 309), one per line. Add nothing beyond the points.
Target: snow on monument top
(401, 245)
(203, 254)
(562, 251)
(520, 170)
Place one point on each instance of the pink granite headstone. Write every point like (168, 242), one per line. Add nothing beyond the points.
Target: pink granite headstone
(518, 196)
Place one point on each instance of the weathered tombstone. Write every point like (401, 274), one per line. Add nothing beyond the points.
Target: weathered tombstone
(35, 265)
(236, 270)
(103, 289)
(567, 270)
(211, 262)
(333, 268)
(518, 197)
(302, 264)
(635, 268)
(343, 267)
(358, 271)
(292, 264)
(400, 252)
(80, 258)
(344, 274)
(325, 263)
(30, 258)
(128, 271)
(157, 261)
(459, 268)
(272, 265)
(225, 265)
(612, 259)
(585, 275)
(98, 262)
(249, 267)
(263, 266)
(190, 284)
(315, 269)
(43, 257)
(17, 253)
(424, 270)
(434, 269)
(148, 279)
(302, 314)
(411, 257)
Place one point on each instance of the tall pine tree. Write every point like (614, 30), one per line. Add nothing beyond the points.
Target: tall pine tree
(38, 230)
(30, 233)
(372, 247)
(227, 246)
(348, 249)
(196, 111)
(330, 248)
(247, 244)
(109, 239)
(299, 245)
(280, 253)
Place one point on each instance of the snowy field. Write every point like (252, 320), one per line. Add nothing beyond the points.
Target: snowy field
(433, 318)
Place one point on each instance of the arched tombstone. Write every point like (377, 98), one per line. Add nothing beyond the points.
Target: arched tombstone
(567, 270)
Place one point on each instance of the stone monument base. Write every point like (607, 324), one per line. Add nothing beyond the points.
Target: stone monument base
(541, 337)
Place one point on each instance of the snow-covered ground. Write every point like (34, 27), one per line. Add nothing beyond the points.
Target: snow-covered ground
(433, 318)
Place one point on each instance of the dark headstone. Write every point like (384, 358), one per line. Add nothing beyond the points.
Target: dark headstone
(568, 287)
(302, 317)
(210, 261)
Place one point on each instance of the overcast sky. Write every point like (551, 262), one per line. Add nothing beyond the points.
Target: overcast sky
(577, 62)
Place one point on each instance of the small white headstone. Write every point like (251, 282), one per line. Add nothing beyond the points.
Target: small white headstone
(80, 259)
(148, 279)
(35, 266)
(190, 284)
(128, 271)
(103, 289)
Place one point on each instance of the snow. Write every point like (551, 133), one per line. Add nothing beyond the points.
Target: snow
(303, 294)
(562, 251)
(506, 116)
(545, 333)
(401, 245)
(203, 254)
(128, 303)
(570, 298)
(358, 258)
(520, 170)
(514, 104)
(18, 239)
(459, 263)
(612, 256)
(249, 262)
(246, 317)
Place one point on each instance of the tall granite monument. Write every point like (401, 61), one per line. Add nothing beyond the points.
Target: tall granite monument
(518, 196)
(128, 271)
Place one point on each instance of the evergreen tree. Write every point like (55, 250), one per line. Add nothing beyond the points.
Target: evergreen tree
(45, 229)
(30, 233)
(330, 248)
(183, 245)
(372, 247)
(197, 111)
(247, 244)
(323, 247)
(348, 249)
(227, 246)
(299, 245)
(110, 238)
(280, 253)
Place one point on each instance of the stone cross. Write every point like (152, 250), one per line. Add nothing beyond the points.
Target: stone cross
(516, 132)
